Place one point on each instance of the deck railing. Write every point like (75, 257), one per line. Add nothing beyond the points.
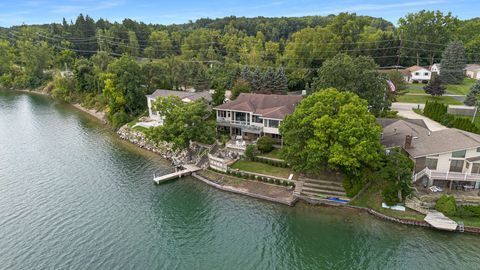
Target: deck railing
(454, 176)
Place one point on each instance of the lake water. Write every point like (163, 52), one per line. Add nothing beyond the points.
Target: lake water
(73, 196)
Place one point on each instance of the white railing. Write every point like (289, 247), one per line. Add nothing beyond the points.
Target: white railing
(455, 176)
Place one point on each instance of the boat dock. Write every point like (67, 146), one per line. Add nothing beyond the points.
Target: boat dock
(185, 170)
(440, 221)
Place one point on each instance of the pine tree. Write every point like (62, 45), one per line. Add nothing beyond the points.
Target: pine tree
(246, 74)
(268, 82)
(471, 99)
(256, 81)
(435, 87)
(453, 62)
(280, 83)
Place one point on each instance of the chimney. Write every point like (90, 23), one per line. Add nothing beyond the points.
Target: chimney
(408, 142)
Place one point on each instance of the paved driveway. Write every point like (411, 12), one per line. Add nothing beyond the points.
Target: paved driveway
(406, 110)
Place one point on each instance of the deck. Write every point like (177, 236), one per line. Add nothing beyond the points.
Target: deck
(186, 170)
(440, 221)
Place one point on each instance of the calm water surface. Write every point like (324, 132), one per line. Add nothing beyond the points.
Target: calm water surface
(73, 196)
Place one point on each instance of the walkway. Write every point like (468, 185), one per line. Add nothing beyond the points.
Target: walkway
(440, 221)
(188, 169)
(406, 110)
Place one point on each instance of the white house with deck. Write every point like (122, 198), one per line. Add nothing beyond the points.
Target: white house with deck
(250, 116)
(419, 74)
(448, 158)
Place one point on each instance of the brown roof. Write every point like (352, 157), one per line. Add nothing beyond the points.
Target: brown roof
(181, 94)
(268, 106)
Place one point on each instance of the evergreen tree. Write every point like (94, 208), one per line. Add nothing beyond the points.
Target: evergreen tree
(280, 82)
(453, 62)
(471, 99)
(246, 74)
(256, 81)
(268, 82)
(435, 87)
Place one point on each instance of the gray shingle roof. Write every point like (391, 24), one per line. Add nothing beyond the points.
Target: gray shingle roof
(181, 94)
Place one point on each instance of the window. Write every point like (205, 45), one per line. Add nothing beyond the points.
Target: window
(272, 123)
(431, 163)
(456, 165)
(417, 73)
(476, 168)
(426, 73)
(222, 114)
(459, 154)
(478, 149)
(257, 119)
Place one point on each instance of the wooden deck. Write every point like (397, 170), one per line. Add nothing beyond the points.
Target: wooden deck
(440, 221)
(187, 170)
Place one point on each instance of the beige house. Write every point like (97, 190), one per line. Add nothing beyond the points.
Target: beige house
(446, 158)
(473, 71)
(253, 115)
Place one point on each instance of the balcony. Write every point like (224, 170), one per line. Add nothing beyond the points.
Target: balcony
(244, 125)
(449, 176)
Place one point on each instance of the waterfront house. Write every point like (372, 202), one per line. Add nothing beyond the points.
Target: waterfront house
(419, 74)
(251, 116)
(448, 158)
(184, 95)
(473, 71)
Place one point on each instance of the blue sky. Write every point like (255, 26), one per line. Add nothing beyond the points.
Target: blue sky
(180, 11)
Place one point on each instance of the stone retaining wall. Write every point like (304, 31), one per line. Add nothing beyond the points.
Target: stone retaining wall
(163, 149)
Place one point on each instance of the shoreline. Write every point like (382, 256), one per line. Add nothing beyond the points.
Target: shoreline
(101, 117)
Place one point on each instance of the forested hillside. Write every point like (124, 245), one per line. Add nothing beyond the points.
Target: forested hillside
(115, 64)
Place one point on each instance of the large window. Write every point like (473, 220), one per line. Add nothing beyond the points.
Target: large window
(476, 168)
(271, 123)
(459, 154)
(456, 165)
(431, 163)
(257, 119)
(222, 114)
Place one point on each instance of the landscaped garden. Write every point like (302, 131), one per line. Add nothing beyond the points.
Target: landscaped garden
(261, 168)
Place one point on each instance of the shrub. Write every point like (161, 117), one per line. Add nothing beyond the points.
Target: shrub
(250, 152)
(265, 144)
(389, 195)
(447, 205)
(468, 211)
(277, 181)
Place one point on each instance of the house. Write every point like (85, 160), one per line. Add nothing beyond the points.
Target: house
(435, 68)
(254, 115)
(473, 71)
(447, 158)
(185, 96)
(419, 74)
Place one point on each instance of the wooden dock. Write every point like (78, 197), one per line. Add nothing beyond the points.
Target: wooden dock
(440, 221)
(186, 170)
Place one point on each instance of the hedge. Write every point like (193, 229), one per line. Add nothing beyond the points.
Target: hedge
(438, 112)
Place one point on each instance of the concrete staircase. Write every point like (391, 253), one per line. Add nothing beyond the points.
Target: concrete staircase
(316, 188)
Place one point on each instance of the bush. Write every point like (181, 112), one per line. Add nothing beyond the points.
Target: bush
(469, 211)
(250, 152)
(265, 144)
(447, 205)
(390, 195)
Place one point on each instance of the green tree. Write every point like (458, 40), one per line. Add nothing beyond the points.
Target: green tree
(183, 122)
(453, 63)
(84, 76)
(240, 86)
(435, 87)
(133, 46)
(473, 95)
(115, 104)
(265, 144)
(159, 45)
(358, 75)
(218, 96)
(331, 130)
(397, 172)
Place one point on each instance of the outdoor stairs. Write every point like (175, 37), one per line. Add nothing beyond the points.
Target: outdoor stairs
(316, 188)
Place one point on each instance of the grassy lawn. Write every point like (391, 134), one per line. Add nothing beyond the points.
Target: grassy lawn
(461, 89)
(469, 221)
(414, 90)
(422, 99)
(275, 153)
(372, 198)
(257, 167)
